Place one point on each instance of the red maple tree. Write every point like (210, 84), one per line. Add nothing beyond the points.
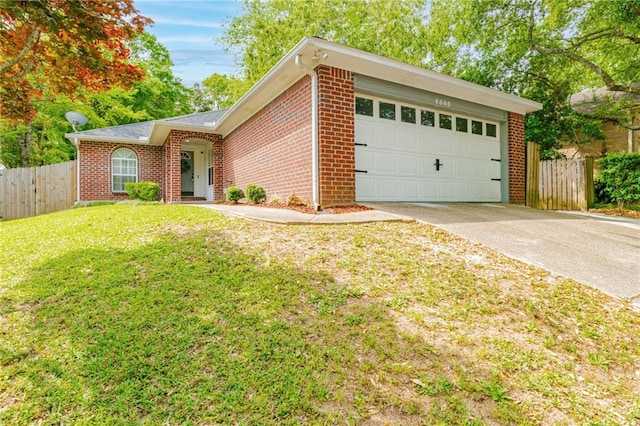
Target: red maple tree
(57, 46)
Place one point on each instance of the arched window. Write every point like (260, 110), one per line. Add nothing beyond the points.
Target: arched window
(124, 168)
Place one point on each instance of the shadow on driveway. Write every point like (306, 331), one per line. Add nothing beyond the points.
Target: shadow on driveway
(601, 252)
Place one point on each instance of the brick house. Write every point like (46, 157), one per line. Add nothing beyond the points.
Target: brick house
(616, 137)
(332, 124)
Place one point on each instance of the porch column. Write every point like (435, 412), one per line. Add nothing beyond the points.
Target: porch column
(216, 161)
(172, 174)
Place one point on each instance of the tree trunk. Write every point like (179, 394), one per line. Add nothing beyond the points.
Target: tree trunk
(25, 147)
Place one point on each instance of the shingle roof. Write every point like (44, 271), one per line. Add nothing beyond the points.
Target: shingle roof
(141, 131)
(589, 100)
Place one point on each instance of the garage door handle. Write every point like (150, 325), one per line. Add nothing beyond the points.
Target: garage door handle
(495, 159)
(498, 180)
(438, 164)
(360, 144)
(361, 171)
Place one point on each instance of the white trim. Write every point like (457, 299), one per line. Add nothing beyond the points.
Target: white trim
(286, 72)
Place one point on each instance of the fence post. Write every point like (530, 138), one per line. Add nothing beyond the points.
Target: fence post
(2, 194)
(533, 175)
(590, 189)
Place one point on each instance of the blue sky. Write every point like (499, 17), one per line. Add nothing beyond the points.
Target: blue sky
(189, 30)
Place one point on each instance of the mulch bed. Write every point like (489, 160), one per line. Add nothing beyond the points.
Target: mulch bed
(307, 209)
(634, 214)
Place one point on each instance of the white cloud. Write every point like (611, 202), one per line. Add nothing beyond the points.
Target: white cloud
(186, 22)
(186, 38)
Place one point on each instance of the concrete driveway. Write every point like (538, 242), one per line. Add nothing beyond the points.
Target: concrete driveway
(602, 252)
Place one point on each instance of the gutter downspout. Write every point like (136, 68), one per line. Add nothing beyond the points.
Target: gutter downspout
(76, 143)
(314, 130)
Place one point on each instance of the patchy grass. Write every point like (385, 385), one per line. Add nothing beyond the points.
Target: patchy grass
(177, 315)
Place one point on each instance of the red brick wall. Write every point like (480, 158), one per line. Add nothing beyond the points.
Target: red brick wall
(95, 168)
(273, 148)
(517, 162)
(218, 182)
(336, 136)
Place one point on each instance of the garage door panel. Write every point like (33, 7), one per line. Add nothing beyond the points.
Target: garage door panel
(462, 191)
(384, 137)
(462, 170)
(400, 160)
(445, 145)
(365, 158)
(386, 163)
(426, 167)
(365, 187)
(408, 165)
(428, 189)
(387, 188)
(407, 140)
(428, 144)
(408, 189)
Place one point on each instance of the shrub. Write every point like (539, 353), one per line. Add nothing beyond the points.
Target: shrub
(600, 192)
(621, 176)
(234, 194)
(255, 194)
(143, 191)
(275, 199)
(294, 200)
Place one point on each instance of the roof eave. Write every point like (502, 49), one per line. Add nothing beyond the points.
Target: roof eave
(285, 73)
(80, 137)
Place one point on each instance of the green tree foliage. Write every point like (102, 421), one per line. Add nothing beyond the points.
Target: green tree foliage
(222, 91)
(158, 95)
(620, 173)
(544, 50)
(267, 30)
(55, 47)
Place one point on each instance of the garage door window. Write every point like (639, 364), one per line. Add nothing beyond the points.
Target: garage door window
(491, 130)
(476, 127)
(445, 121)
(408, 114)
(427, 118)
(364, 106)
(387, 111)
(461, 124)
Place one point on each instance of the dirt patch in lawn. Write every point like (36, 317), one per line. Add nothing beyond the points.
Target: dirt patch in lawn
(307, 209)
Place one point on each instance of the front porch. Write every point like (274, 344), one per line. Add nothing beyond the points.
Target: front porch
(192, 167)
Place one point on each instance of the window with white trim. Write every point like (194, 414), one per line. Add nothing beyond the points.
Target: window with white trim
(124, 168)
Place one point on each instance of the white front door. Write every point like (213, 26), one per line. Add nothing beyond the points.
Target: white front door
(406, 152)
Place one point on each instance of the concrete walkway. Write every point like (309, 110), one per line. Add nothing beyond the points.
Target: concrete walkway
(291, 217)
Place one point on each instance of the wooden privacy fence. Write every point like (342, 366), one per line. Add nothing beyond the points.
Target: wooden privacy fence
(31, 191)
(563, 184)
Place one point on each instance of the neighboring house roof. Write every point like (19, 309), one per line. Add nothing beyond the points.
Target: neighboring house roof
(151, 132)
(589, 100)
(314, 51)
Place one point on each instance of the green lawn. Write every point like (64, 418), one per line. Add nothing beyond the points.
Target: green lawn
(179, 315)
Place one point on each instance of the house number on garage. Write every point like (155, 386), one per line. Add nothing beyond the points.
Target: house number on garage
(443, 102)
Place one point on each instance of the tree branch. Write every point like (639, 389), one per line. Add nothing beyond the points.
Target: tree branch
(622, 123)
(605, 32)
(31, 41)
(606, 78)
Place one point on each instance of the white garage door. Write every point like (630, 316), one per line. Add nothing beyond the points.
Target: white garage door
(410, 153)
